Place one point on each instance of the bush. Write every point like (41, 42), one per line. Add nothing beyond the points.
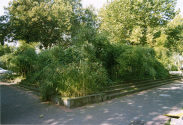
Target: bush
(72, 80)
(106, 53)
(72, 72)
(166, 58)
(126, 62)
(25, 61)
(83, 78)
(22, 61)
(83, 69)
(5, 50)
(139, 63)
(4, 58)
(6, 61)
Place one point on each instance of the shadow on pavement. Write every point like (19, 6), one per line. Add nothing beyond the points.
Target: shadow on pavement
(23, 107)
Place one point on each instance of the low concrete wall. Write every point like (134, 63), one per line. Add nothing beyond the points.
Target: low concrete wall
(79, 101)
(95, 98)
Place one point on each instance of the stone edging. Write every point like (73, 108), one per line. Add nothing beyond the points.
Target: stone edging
(90, 99)
(84, 100)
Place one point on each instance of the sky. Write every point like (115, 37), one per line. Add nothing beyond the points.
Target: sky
(94, 3)
(86, 3)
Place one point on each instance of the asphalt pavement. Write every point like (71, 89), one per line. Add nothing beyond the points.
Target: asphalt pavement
(20, 106)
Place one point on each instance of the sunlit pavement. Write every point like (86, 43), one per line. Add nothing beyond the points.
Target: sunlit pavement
(19, 106)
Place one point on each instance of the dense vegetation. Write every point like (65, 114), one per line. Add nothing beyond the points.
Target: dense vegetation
(69, 50)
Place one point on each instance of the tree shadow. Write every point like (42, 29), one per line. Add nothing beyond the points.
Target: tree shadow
(147, 106)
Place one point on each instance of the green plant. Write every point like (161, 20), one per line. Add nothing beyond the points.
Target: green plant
(83, 69)
(140, 62)
(21, 61)
(6, 61)
(128, 21)
(72, 80)
(165, 57)
(83, 78)
(73, 71)
(4, 49)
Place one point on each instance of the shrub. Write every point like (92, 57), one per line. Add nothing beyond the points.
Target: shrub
(5, 56)
(165, 57)
(139, 62)
(6, 61)
(25, 61)
(83, 69)
(72, 80)
(21, 61)
(106, 52)
(127, 62)
(72, 72)
(83, 78)
(4, 50)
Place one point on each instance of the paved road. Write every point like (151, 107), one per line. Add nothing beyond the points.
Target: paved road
(20, 106)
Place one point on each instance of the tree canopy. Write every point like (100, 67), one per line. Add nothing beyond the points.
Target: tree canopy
(128, 21)
(39, 20)
(49, 22)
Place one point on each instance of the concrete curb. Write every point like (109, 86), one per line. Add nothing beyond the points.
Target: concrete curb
(95, 98)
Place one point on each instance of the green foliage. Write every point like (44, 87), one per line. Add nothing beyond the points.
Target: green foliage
(164, 56)
(39, 20)
(106, 53)
(48, 22)
(86, 28)
(82, 69)
(132, 62)
(139, 62)
(6, 61)
(25, 60)
(132, 39)
(72, 72)
(21, 61)
(4, 50)
(4, 29)
(74, 79)
(174, 34)
(5, 56)
(128, 21)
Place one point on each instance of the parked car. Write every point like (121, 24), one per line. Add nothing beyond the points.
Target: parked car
(3, 71)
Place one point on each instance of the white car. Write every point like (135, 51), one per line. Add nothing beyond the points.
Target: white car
(3, 71)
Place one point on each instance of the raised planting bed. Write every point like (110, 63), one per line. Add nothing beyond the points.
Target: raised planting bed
(117, 90)
(113, 92)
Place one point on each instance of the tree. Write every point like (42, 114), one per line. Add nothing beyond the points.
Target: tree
(122, 19)
(49, 22)
(174, 33)
(44, 21)
(84, 22)
(4, 29)
(87, 25)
